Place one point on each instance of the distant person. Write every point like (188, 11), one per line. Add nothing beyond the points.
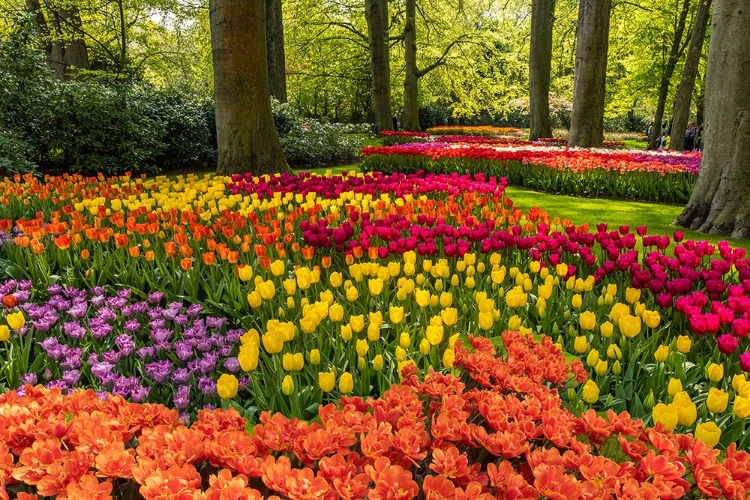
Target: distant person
(395, 123)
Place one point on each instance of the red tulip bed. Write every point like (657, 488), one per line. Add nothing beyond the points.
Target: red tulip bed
(648, 176)
(379, 336)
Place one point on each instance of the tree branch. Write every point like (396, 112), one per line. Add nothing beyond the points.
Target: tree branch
(441, 59)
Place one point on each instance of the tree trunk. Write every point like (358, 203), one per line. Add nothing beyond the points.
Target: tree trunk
(587, 121)
(376, 14)
(700, 104)
(674, 55)
(719, 204)
(247, 138)
(64, 56)
(275, 48)
(411, 72)
(540, 67)
(681, 112)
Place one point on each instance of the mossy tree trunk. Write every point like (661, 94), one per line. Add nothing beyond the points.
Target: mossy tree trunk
(376, 15)
(246, 135)
(540, 67)
(720, 203)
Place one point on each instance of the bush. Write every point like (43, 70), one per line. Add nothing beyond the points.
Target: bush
(309, 143)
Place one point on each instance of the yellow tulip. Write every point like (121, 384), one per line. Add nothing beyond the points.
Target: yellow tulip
(674, 386)
(616, 368)
(614, 352)
(336, 312)
(245, 273)
(277, 267)
(273, 342)
(686, 409)
(486, 320)
(446, 299)
(315, 357)
(561, 269)
(666, 414)
(741, 407)
(434, 334)
(618, 311)
(516, 297)
(601, 367)
(4, 333)
(590, 392)
(248, 357)
(577, 301)
(290, 286)
(375, 286)
(514, 323)
(422, 297)
(227, 386)
(587, 320)
(606, 329)
(737, 381)
(373, 332)
(304, 277)
(396, 314)
(708, 432)
(661, 354)
(651, 318)
(287, 385)
(715, 372)
(593, 358)
(717, 400)
(254, 299)
(424, 347)
(400, 353)
(581, 344)
(357, 323)
(404, 340)
(346, 383)
(326, 381)
(352, 294)
(449, 357)
(684, 344)
(449, 316)
(630, 326)
(362, 347)
(346, 332)
(267, 289)
(377, 363)
(632, 295)
(287, 362)
(335, 279)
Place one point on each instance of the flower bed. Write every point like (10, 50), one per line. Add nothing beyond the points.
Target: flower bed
(496, 430)
(648, 176)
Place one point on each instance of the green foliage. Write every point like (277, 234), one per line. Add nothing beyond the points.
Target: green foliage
(310, 143)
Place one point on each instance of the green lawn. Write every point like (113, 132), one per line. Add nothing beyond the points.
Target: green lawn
(593, 211)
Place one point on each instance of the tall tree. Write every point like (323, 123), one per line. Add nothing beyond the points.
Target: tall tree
(376, 14)
(275, 48)
(412, 73)
(60, 33)
(681, 112)
(246, 135)
(675, 52)
(540, 66)
(719, 204)
(587, 121)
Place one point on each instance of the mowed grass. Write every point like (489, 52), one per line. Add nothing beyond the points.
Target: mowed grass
(592, 211)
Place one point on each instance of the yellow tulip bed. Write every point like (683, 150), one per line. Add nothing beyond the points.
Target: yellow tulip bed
(294, 294)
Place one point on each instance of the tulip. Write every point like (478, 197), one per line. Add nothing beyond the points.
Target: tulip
(373, 332)
(362, 347)
(618, 311)
(581, 344)
(593, 358)
(708, 432)
(375, 286)
(346, 332)
(587, 320)
(245, 272)
(486, 320)
(396, 314)
(661, 354)
(346, 383)
(16, 320)
(254, 299)
(449, 357)
(227, 386)
(314, 357)
(422, 297)
(684, 344)
(514, 323)
(377, 363)
(606, 329)
(361, 363)
(287, 385)
(717, 400)
(601, 368)
(630, 326)
(738, 381)
(727, 344)
(651, 318)
(616, 368)
(632, 295)
(741, 407)
(614, 352)
(577, 301)
(674, 386)
(4, 333)
(400, 354)
(449, 316)
(744, 361)
(516, 297)
(352, 294)
(686, 409)
(715, 372)
(667, 415)
(590, 392)
(335, 279)
(357, 323)
(424, 347)
(446, 299)
(326, 381)
(273, 342)
(650, 400)
(277, 268)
